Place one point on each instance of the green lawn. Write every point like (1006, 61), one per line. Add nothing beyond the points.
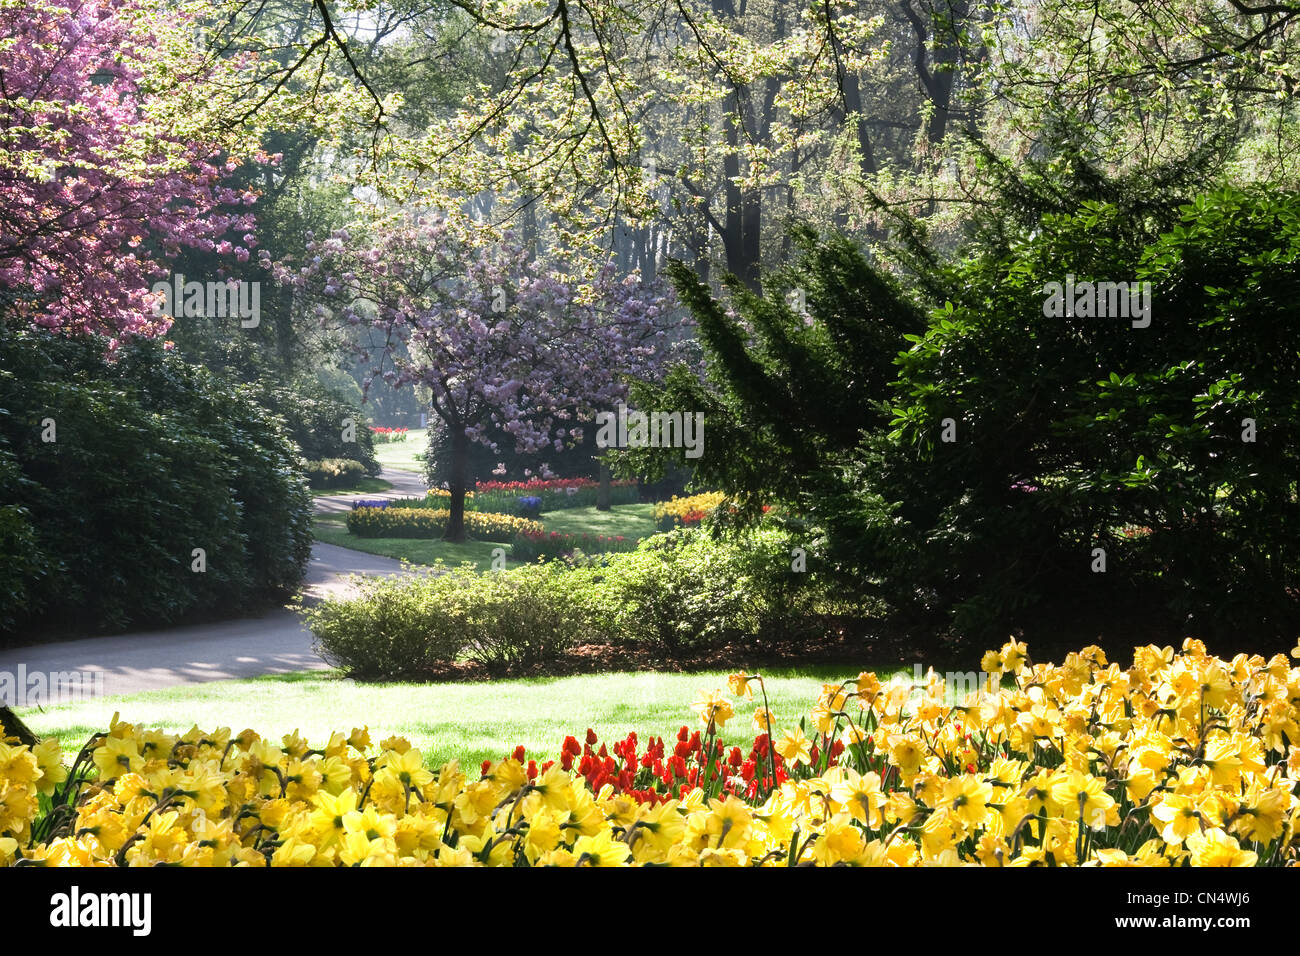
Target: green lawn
(631, 521)
(470, 722)
(332, 529)
(401, 454)
(366, 485)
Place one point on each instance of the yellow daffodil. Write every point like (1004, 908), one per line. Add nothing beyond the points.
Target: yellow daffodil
(713, 708)
(1216, 848)
(794, 747)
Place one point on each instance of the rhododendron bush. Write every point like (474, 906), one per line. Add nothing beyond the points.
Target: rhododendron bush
(1179, 759)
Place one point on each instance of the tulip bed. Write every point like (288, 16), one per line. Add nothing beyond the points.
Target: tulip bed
(686, 512)
(386, 520)
(552, 494)
(1181, 759)
(385, 436)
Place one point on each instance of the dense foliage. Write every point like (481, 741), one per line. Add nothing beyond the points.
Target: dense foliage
(403, 627)
(322, 425)
(547, 545)
(115, 473)
(671, 595)
(981, 467)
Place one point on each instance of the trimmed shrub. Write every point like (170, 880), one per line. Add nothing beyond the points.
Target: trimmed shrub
(391, 629)
(676, 593)
(685, 591)
(404, 627)
(519, 618)
(334, 473)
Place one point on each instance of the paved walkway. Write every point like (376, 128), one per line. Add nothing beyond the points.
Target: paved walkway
(271, 643)
(406, 484)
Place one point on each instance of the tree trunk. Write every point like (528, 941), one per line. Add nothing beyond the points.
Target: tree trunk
(943, 37)
(457, 484)
(602, 493)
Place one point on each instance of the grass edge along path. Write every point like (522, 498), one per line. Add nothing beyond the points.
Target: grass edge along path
(366, 486)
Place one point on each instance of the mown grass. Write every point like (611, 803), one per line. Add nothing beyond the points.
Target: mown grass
(469, 722)
(401, 454)
(631, 521)
(366, 485)
(332, 529)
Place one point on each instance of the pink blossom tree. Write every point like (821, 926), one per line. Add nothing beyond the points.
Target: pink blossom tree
(498, 339)
(97, 187)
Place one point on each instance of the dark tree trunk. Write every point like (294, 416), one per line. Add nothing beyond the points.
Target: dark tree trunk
(942, 34)
(602, 493)
(457, 484)
(853, 106)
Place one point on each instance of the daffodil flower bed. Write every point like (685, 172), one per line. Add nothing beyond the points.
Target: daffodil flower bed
(397, 522)
(549, 494)
(1180, 759)
(681, 512)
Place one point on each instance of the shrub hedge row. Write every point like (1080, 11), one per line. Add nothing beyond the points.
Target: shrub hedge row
(115, 475)
(676, 593)
(334, 473)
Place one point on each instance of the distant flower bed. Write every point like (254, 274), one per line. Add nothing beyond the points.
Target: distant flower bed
(383, 436)
(531, 498)
(390, 521)
(685, 512)
(440, 496)
(532, 545)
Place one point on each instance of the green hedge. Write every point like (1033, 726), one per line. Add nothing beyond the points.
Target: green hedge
(151, 459)
(334, 473)
(404, 627)
(676, 594)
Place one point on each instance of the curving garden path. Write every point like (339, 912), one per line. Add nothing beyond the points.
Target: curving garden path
(406, 484)
(270, 643)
